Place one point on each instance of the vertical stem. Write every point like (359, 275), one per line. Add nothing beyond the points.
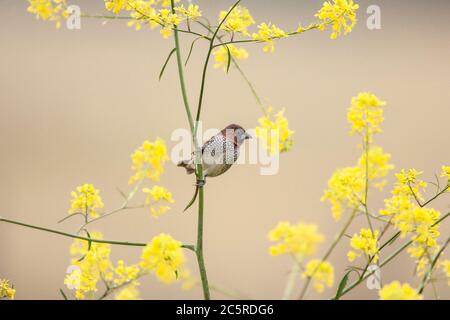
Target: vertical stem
(199, 246)
(199, 171)
(291, 280)
(328, 253)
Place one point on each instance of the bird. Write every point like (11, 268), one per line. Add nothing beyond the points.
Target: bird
(219, 153)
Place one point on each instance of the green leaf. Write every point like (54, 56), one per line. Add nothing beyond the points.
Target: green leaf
(192, 200)
(63, 294)
(191, 49)
(342, 285)
(165, 63)
(229, 58)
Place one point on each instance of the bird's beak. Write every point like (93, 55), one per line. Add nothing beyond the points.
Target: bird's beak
(247, 136)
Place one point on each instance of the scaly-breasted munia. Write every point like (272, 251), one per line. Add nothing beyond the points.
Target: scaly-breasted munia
(220, 152)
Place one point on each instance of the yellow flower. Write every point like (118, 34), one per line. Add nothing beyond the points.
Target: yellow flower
(86, 199)
(156, 195)
(345, 189)
(52, 10)
(126, 274)
(238, 20)
(188, 280)
(322, 273)
(267, 33)
(341, 14)
(128, 293)
(300, 240)
(148, 161)
(446, 268)
(446, 172)
(164, 257)
(412, 219)
(379, 165)
(396, 291)
(274, 132)
(6, 289)
(366, 114)
(364, 242)
(116, 5)
(91, 265)
(221, 55)
(192, 12)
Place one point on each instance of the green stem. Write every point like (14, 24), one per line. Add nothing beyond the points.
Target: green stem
(428, 274)
(388, 259)
(199, 167)
(69, 235)
(205, 67)
(328, 253)
(291, 280)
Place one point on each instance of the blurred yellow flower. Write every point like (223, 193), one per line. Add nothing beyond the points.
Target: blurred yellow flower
(366, 114)
(128, 293)
(164, 257)
(396, 291)
(267, 33)
(221, 55)
(322, 274)
(345, 190)
(412, 219)
(341, 14)
(125, 274)
(192, 12)
(446, 172)
(300, 240)
(366, 243)
(274, 132)
(446, 268)
(155, 196)
(86, 200)
(6, 289)
(148, 161)
(90, 265)
(52, 10)
(238, 20)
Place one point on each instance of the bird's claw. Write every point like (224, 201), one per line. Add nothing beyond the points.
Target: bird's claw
(200, 183)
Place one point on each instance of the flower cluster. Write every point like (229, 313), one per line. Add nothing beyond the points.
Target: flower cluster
(159, 196)
(366, 243)
(164, 257)
(366, 115)
(322, 274)
(6, 289)
(86, 200)
(91, 264)
(238, 20)
(341, 14)
(225, 52)
(51, 10)
(267, 33)
(413, 219)
(397, 291)
(274, 132)
(148, 161)
(347, 186)
(299, 240)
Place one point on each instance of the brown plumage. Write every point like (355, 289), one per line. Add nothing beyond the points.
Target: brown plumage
(220, 152)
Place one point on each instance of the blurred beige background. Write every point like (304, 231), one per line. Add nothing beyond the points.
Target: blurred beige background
(75, 104)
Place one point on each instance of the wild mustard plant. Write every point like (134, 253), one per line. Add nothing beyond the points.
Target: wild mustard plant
(94, 275)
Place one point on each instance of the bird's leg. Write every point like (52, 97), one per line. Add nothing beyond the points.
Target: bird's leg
(200, 183)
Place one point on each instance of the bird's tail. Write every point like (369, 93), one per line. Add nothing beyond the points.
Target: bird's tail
(187, 164)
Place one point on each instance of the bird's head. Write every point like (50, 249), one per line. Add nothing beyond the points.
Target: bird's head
(236, 133)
